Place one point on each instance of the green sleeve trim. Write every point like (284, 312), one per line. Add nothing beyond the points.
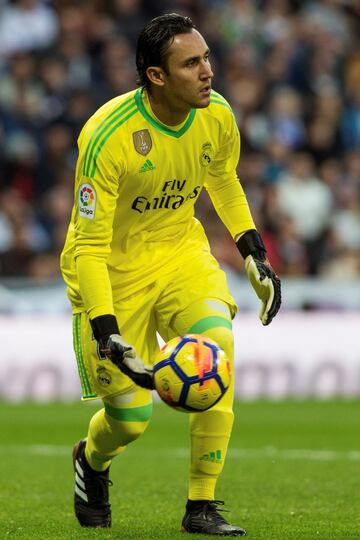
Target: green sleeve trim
(217, 98)
(101, 129)
(131, 414)
(223, 103)
(209, 322)
(114, 126)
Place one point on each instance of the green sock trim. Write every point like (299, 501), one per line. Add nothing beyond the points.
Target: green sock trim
(132, 414)
(209, 322)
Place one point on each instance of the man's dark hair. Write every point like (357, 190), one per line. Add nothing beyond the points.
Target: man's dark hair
(154, 41)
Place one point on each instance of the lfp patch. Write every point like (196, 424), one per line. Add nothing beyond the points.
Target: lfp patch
(87, 201)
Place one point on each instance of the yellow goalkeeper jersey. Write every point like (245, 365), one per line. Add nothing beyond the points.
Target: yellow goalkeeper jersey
(137, 181)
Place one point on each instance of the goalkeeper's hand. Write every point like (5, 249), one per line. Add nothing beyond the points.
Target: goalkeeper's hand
(126, 359)
(267, 286)
(261, 275)
(123, 355)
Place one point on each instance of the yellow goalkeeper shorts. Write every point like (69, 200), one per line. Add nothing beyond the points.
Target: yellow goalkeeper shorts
(142, 314)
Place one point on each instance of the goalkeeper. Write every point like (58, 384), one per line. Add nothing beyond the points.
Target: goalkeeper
(137, 262)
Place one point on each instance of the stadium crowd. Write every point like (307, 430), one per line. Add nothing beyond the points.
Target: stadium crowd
(290, 70)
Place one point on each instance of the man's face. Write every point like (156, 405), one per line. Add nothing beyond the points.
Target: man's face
(187, 80)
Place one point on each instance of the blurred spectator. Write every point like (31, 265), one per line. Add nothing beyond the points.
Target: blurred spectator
(129, 17)
(323, 141)
(27, 237)
(286, 117)
(26, 25)
(346, 218)
(53, 72)
(58, 142)
(292, 251)
(21, 93)
(308, 202)
(21, 156)
(289, 69)
(115, 72)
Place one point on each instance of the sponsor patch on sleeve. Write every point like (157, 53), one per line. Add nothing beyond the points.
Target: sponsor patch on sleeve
(87, 201)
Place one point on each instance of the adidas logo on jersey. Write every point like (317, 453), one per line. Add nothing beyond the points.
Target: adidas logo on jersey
(148, 166)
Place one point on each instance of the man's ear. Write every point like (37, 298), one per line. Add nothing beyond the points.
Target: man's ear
(156, 75)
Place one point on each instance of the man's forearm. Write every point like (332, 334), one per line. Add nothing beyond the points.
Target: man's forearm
(95, 286)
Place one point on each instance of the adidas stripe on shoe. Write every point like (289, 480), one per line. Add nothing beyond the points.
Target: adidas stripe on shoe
(91, 498)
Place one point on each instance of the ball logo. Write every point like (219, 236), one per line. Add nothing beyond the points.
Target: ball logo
(87, 201)
(191, 373)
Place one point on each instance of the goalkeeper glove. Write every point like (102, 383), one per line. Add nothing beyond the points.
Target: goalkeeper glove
(261, 275)
(123, 355)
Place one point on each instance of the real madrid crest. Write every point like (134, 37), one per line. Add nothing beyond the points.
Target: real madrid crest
(207, 153)
(142, 141)
(103, 377)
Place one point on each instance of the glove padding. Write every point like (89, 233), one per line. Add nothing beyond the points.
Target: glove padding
(266, 285)
(125, 358)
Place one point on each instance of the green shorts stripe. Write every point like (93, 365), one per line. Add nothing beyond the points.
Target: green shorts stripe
(209, 322)
(131, 414)
(84, 380)
(78, 355)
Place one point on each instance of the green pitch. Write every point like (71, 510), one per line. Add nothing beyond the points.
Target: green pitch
(292, 473)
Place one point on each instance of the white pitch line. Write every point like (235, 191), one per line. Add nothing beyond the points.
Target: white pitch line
(36, 449)
(269, 452)
(294, 454)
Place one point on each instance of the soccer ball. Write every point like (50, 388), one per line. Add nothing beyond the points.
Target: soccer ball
(191, 373)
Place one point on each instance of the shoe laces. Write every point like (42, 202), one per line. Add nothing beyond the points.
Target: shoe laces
(212, 509)
(100, 485)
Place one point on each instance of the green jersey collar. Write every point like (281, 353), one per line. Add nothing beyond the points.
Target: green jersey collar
(157, 124)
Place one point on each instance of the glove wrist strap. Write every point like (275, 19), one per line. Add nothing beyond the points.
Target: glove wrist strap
(103, 326)
(250, 243)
